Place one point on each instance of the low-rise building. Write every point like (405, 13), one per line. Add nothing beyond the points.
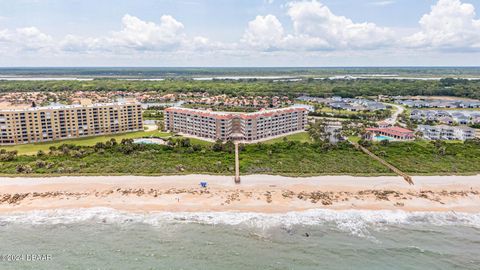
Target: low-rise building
(41, 124)
(240, 126)
(437, 103)
(445, 116)
(396, 133)
(444, 132)
(349, 104)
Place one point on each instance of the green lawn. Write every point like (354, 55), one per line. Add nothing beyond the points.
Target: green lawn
(297, 137)
(33, 148)
(200, 142)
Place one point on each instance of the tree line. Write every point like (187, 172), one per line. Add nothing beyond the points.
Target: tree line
(313, 87)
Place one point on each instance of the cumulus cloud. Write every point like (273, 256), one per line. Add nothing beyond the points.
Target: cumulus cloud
(264, 32)
(25, 39)
(315, 28)
(450, 24)
(32, 38)
(142, 35)
(313, 20)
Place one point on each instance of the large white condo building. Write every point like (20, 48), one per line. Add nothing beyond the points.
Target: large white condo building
(241, 126)
(41, 124)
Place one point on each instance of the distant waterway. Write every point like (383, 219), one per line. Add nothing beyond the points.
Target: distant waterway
(44, 79)
(391, 77)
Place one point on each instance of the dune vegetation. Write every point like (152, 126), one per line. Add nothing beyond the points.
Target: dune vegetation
(435, 157)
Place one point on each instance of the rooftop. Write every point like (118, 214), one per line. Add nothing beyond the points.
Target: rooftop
(27, 108)
(230, 115)
(397, 131)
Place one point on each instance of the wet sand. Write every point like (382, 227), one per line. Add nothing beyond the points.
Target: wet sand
(256, 193)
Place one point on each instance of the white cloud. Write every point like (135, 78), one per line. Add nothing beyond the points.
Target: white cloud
(142, 35)
(317, 33)
(31, 38)
(313, 20)
(264, 33)
(315, 28)
(4, 35)
(199, 43)
(450, 24)
(25, 39)
(73, 43)
(382, 3)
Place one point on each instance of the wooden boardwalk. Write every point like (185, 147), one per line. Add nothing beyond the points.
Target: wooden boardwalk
(237, 165)
(405, 176)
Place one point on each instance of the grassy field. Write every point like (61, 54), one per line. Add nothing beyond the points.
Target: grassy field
(426, 158)
(302, 137)
(200, 142)
(33, 148)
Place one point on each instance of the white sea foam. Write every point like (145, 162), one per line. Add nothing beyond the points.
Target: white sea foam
(357, 222)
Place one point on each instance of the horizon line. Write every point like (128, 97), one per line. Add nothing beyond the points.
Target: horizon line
(313, 67)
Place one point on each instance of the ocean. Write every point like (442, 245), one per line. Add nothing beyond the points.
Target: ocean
(101, 238)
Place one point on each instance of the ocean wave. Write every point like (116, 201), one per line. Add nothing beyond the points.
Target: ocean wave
(356, 222)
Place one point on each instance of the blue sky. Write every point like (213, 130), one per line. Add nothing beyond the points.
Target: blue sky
(239, 32)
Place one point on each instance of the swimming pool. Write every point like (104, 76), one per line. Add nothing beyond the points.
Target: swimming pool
(383, 138)
(149, 141)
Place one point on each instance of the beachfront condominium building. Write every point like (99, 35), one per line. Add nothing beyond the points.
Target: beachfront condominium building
(41, 124)
(240, 126)
(444, 132)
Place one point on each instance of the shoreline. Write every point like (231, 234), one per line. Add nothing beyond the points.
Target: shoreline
(256, 194)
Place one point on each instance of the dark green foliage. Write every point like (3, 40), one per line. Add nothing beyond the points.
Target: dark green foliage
(325, 88)
(291, 158)
(7, 155)
(432, 157)
(288, 158)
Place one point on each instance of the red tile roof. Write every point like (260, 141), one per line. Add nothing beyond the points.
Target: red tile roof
(228, 115)
(395, 131)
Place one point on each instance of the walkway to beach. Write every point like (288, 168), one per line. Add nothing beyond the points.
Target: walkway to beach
(237, 165)
(405, 176)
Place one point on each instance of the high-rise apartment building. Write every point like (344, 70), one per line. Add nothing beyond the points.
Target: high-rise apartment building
(241, 126)
(40, 124)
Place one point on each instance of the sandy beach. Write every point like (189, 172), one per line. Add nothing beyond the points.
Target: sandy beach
(256, 193)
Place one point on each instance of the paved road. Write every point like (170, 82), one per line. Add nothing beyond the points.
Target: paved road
(394, 118)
